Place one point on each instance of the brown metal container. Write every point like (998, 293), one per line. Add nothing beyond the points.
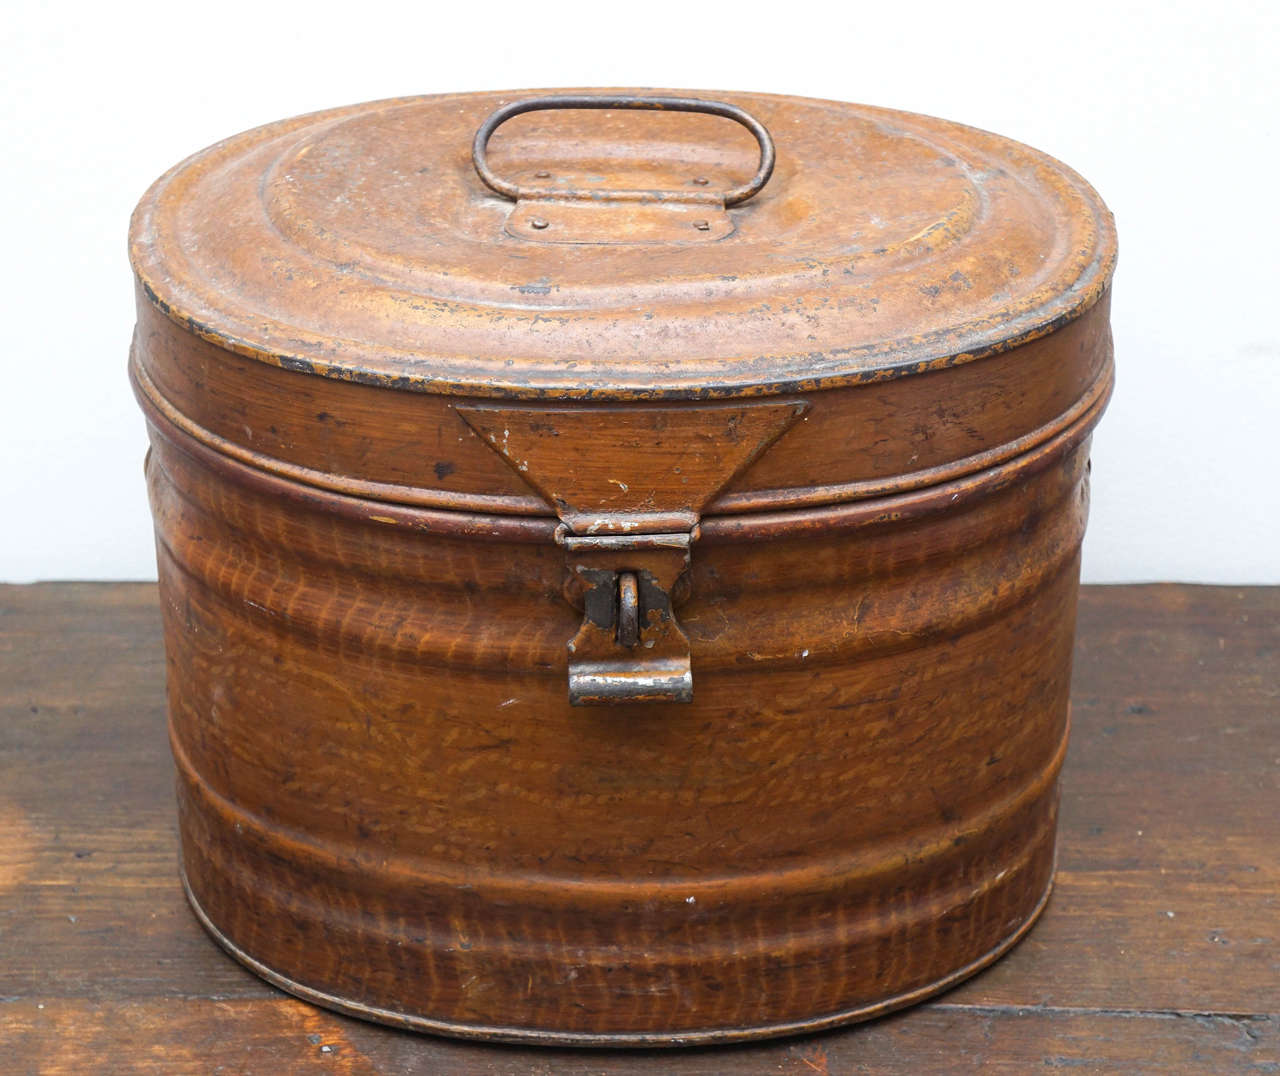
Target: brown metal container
(778, 473)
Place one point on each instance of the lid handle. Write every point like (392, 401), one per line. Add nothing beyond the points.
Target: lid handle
(734, 196)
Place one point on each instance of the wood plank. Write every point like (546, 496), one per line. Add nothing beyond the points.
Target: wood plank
(90, 903)
(264, 1038)
(1168, 890)
(1171, 798)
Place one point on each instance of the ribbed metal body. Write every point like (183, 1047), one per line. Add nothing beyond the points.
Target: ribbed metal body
(817, 780)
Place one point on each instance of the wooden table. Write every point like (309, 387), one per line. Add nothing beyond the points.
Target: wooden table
(1160, 952)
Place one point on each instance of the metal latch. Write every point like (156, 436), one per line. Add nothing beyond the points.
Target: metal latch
(630, 648)
(629, 483)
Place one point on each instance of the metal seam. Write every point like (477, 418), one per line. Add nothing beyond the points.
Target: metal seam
(390, 492)
(766, 506)
(866, 489)
(622, 1038)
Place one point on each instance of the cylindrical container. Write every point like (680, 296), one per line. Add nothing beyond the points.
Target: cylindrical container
(619, 553)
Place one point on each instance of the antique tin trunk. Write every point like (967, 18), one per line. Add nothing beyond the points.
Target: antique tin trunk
(616, 589)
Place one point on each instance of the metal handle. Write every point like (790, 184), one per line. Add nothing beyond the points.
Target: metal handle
(734, 196)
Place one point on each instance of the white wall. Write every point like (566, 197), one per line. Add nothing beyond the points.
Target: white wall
(1170, 109)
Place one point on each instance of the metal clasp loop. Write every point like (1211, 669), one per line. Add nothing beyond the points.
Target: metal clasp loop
(629, 647)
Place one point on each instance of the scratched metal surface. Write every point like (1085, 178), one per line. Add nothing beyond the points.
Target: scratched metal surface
(360, 243)
(832, 630)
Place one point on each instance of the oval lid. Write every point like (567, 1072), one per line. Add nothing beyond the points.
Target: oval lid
(361, 244)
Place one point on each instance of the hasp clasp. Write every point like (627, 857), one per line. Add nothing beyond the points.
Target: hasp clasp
(630, 647)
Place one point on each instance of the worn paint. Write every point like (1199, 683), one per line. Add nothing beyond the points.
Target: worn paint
(840, 310)
(833, 464)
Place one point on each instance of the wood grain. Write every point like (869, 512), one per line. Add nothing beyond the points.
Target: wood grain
(389, 803)
(1158, 953)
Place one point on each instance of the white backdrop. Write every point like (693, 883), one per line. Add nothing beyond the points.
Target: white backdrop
(1170, 109)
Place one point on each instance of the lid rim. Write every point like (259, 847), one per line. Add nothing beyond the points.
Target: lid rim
(531, 388)
(490, 372)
